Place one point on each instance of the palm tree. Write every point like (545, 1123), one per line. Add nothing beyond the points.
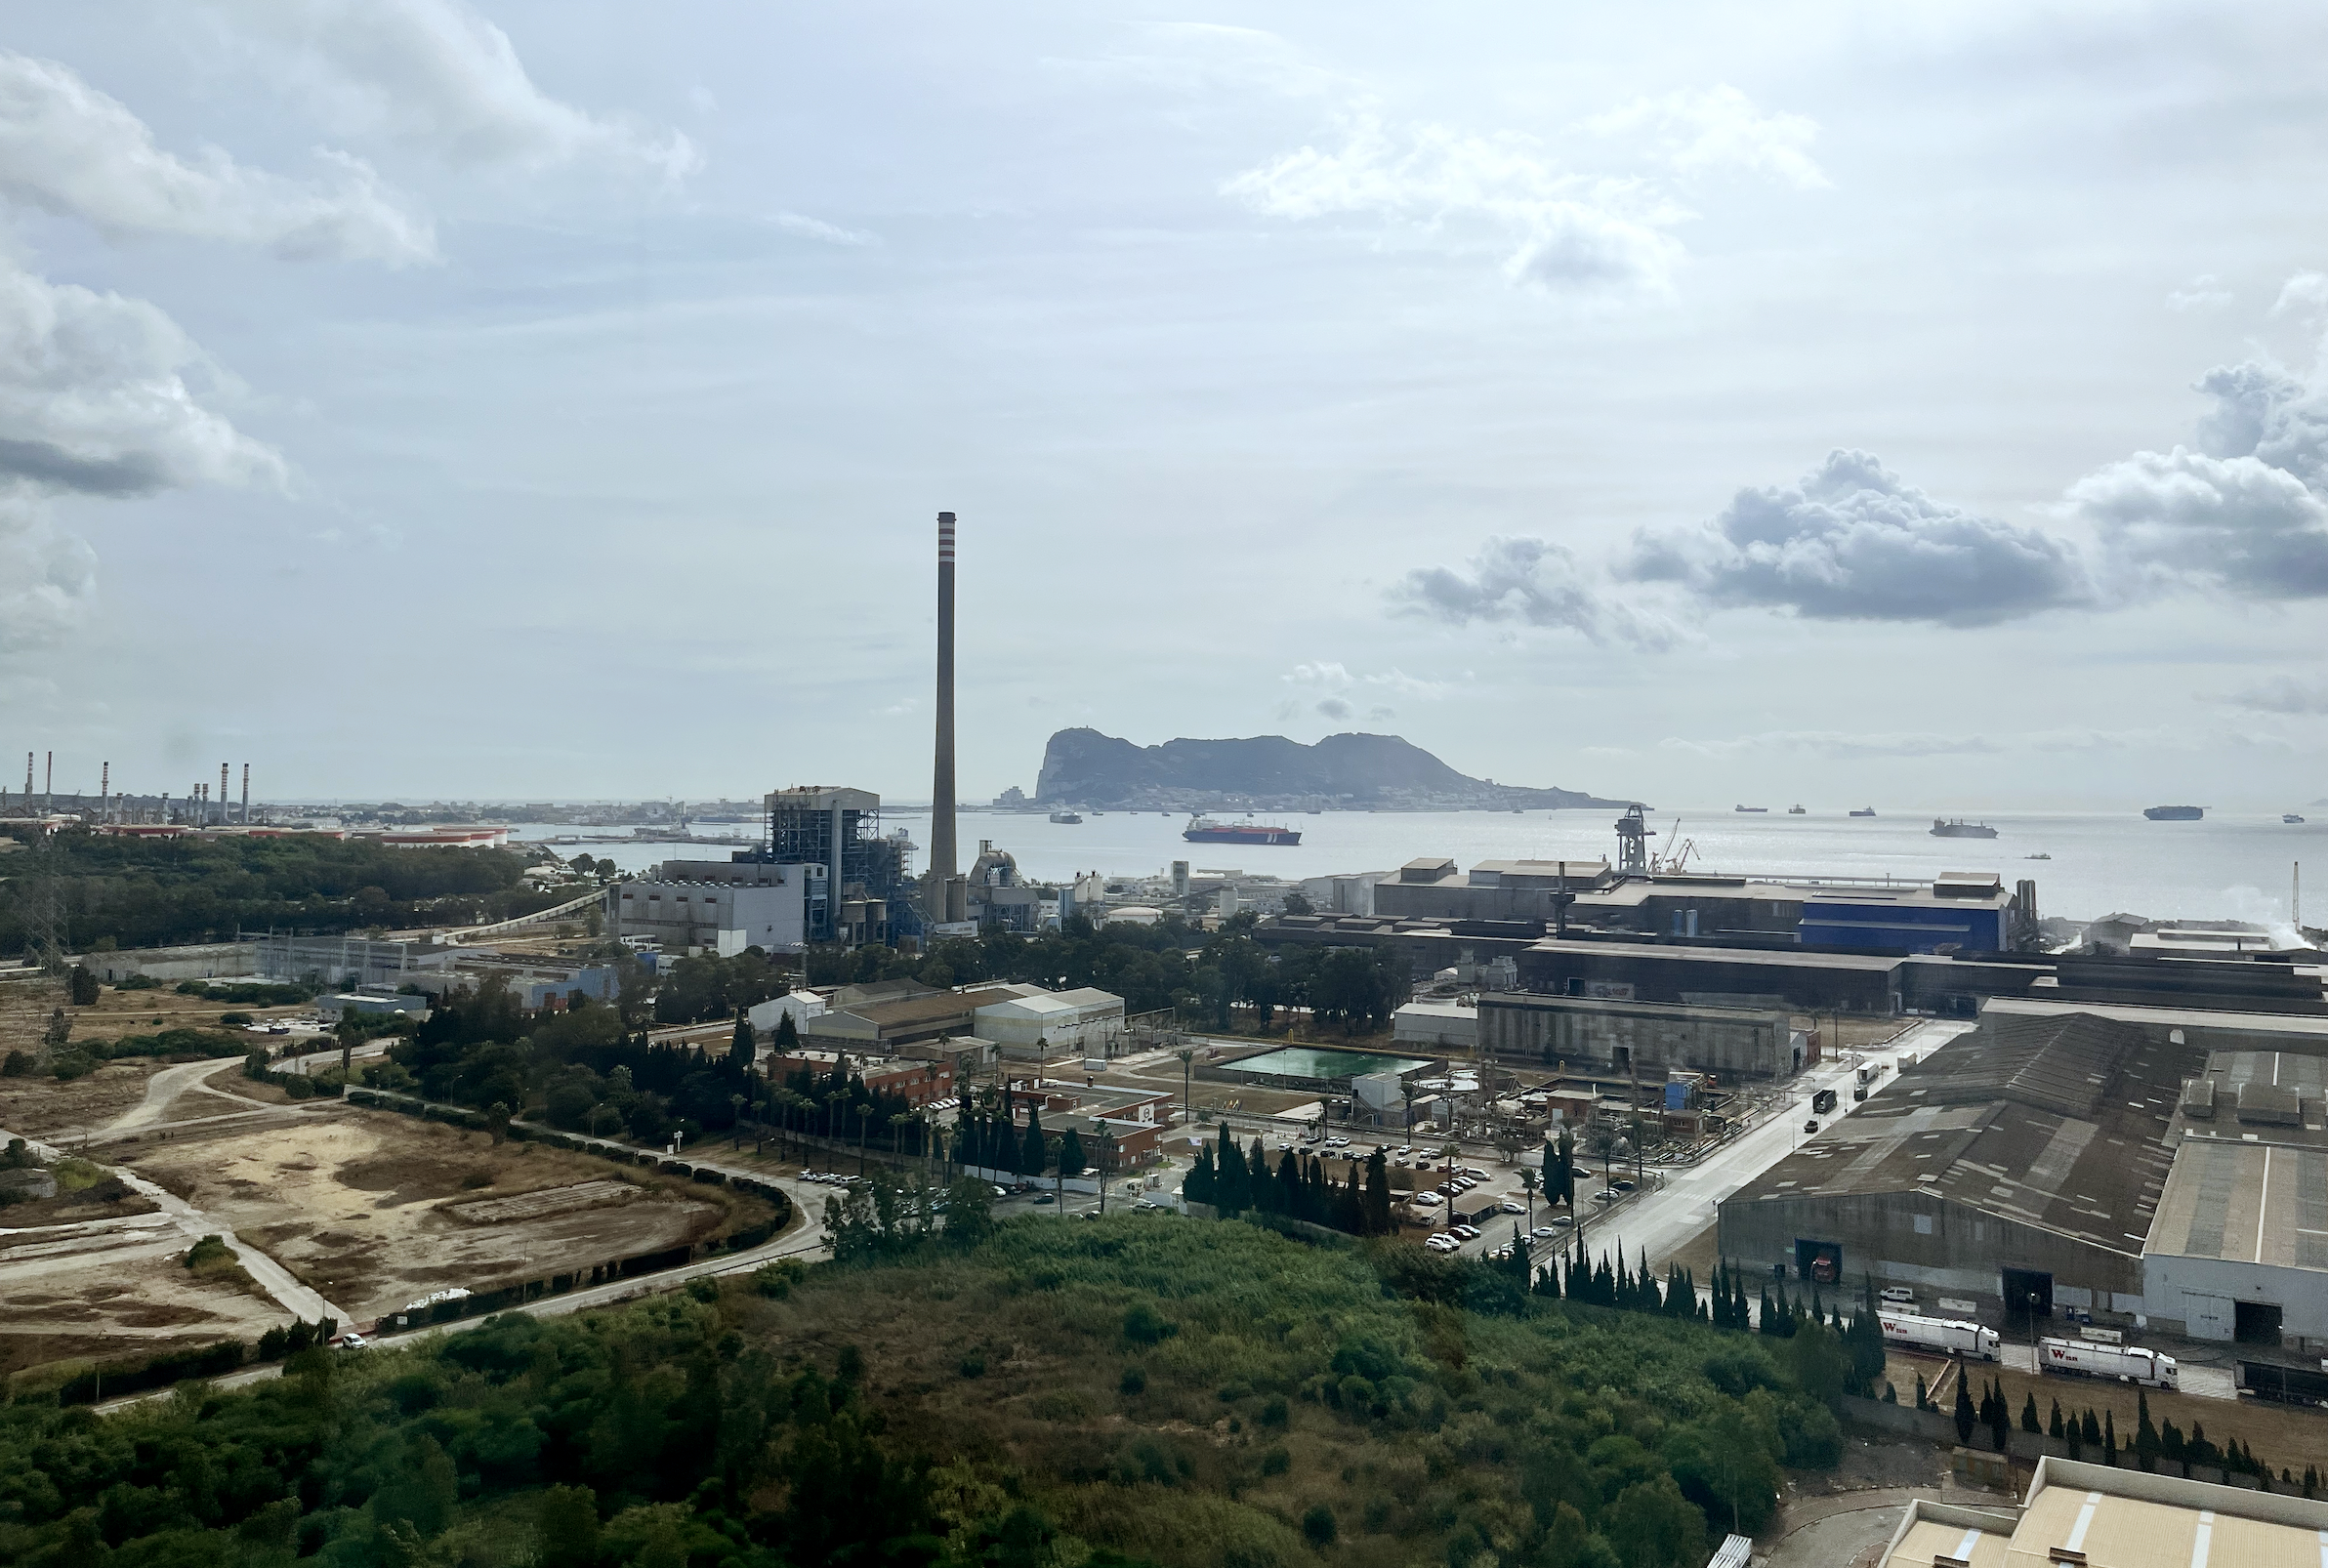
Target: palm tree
(1527, 1185)
(736, 1128)
(1187, 1056)
(863, 1114)
(898, 1123)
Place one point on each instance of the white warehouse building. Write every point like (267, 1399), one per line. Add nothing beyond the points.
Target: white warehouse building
(1086, 1021)
(770, 913)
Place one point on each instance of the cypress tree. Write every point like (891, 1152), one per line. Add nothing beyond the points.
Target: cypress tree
(1289, 1184)
(1032, 1157)
(2145, 1435)
(745, 1045)
(2000, 1417)
(2028, 1416)
(1378, 1195)
(1737, 1306)
(1198, 1187)
(1767, 1322)
(1070, 1154)
(1964, 1407)
(2110, 1438)
(1230, 1191)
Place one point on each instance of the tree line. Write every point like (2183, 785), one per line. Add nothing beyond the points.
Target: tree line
(157, 892)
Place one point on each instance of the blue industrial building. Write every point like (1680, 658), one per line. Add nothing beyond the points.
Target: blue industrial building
(1969, 912)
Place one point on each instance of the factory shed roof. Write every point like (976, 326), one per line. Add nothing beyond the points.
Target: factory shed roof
(931, 1008)
(1991, 1121)
(2083, 1513)
(1773, 956)
(2312, 1027)
(2247, 1203)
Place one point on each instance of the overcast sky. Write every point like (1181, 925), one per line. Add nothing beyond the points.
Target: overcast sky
(1917, 404)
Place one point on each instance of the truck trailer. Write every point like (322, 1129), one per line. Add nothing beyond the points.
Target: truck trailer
(1939, 1336)
(2293, 1385)
(2127, 1363)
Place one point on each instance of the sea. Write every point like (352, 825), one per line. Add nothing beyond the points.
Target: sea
(2227, 866)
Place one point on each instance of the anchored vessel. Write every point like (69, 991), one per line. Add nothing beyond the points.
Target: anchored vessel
(1959, 828)
(1865, 811)
(1750, 809)
(1204, 830)
(2176, 813)
(1064, 816)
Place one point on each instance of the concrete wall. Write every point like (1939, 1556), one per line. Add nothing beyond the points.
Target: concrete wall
(1922, 1240)
(209, 960)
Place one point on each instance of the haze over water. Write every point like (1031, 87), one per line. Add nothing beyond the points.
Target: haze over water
(2229, 866)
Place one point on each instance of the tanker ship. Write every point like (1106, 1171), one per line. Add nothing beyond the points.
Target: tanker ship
(1204, 830)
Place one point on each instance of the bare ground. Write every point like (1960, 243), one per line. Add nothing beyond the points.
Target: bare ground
(121, 1291)
(359, 1204)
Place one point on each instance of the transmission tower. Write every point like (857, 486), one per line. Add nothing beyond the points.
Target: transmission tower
(44, 921)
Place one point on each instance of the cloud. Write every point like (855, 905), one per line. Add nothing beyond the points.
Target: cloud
(1197, 59)
(48, 575)
(1555, 228)
(94, 398)
(68, 149)
(1839, 744)
(1337, 678)
(2304, 294)
(1531, 582)
(1377, 714)
(2202, 293)
(437, 73)
(2179, 516)
(2284, 694)
(1718, 129)
(1850, 541)
(1334, 708)
(816, 229)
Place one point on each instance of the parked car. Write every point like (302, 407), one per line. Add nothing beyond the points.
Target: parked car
(1810, 1125)
(1896, 1296)
(1513, 1206)
(1620, 1184)
(1045, 1197)
(1544, 1233)
(1427, 1200)
(1562, 1221)
(350, 1341)
(1605, 1196)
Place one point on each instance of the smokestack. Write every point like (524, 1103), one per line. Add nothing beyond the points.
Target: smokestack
(47, 785)
(944, 859)
(222, 796)
(246, 795)
(104, 787)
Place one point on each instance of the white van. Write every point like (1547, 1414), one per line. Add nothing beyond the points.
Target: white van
(1896, 1296)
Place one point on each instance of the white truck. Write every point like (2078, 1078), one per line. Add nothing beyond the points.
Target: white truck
(2128, 1363)
(1939, 1336)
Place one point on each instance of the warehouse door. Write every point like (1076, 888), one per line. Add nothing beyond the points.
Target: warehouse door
(2256, 1322)
(2028, 1294)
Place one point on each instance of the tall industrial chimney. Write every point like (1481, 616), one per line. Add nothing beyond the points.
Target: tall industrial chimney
(223, 796)
(104, 787)
(951, 900)
(246, 795)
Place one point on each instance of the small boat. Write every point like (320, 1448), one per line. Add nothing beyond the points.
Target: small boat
(1068, 818)
(1751, 810)
(1865, 811)
(2289, 816)
(1796, 810)
(2039, 856)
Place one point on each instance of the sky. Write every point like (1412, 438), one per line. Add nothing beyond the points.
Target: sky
(1918, 405)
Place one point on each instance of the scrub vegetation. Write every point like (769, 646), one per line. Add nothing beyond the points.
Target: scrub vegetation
(1081, 1394)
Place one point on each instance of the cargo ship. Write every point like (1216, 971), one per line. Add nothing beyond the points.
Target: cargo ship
(1959, 828)
(1865, 811)
(1204, 830)
(1796, 810)
(2176, 813)
(1751, 810)
(1067, 818)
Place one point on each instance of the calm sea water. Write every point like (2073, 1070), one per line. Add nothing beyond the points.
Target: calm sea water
(2229, 866)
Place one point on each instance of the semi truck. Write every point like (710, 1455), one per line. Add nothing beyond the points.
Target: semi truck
(1939, 1336)
(2127, 1363)
(2294, 1386)
(1823, 1101)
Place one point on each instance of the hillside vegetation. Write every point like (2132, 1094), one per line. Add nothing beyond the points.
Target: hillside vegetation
(1067, 1394)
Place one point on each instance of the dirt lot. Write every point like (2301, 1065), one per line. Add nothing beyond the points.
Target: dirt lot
(42, 1107)
(116, 1290)
(2282, 1435)
(359, 1205)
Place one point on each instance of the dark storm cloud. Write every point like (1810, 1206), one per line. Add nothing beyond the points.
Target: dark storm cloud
(1852, 542)
(1530, 582)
